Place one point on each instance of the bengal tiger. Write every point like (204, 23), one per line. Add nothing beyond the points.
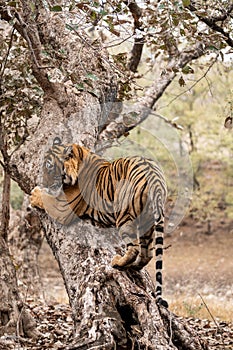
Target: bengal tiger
(128, 193)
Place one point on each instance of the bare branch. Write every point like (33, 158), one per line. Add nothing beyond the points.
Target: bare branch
(32, 50)
(26, 26)
(193, 85)
(121, 126)
(5, 211)
(210, 313)
(136, 52)
(3, 144)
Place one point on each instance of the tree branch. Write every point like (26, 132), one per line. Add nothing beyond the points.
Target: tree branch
(3, 144)
(211, 22)
(33, 51)
(29, 32)
(224, 16)
(124, 123)
(3, 65)
(5, 211)
(136, 52)
(193, 85)
(27, 27)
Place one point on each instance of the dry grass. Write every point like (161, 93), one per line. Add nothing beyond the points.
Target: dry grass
(199, 264)
(194, 307)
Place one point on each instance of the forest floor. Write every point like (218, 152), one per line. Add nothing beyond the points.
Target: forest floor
(198, 285)
(198, 270)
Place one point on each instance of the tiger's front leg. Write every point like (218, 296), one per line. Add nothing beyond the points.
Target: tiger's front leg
(56, 207)
(36, 198)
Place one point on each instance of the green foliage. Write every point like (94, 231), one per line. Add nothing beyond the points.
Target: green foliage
(56, 8)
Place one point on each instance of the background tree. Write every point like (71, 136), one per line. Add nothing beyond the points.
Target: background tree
(62, 69)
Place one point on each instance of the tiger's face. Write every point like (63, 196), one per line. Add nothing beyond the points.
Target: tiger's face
(54, 174)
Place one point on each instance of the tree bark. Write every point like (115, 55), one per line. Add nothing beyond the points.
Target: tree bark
(14, 318)
(24, 240)
(111, 309)
(5, 207)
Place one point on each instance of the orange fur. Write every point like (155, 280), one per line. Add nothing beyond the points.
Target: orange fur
(72, 165)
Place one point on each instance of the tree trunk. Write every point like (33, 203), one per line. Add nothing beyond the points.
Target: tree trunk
(24, 240)
(111, 309)
(14, 318)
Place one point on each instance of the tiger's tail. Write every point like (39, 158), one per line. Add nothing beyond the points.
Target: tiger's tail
(157, 196)
(159, 233)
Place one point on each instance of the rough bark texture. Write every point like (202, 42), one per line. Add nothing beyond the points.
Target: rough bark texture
(111, 309)
(25, 238)
(14, 318)
(5, 208)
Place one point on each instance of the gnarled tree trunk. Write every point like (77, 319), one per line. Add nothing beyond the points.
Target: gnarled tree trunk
(14, 317)
(111, 309)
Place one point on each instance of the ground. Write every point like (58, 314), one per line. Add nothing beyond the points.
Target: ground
(197, 267)
(198, 285)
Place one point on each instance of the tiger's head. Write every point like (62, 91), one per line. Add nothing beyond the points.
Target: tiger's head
(61, 165)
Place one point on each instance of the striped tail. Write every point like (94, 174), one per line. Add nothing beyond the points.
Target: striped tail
(159, 232)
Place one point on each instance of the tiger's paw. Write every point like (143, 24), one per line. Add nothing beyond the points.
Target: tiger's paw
(36, 198)
(123, 262)
(116, 262)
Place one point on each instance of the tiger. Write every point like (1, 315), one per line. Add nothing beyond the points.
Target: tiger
(128, 193)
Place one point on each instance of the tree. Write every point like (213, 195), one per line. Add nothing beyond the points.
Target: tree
(66, 78)
(14, 317)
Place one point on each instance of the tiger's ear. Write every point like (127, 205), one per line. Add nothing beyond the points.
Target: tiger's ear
(57, 141)
(80, 152)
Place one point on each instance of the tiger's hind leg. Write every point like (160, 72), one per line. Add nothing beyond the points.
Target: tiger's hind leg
(126, 260)
(148, 242)
(146, 248)
(128, 232)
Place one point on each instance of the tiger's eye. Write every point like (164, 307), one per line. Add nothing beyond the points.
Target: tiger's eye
(49, 164)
